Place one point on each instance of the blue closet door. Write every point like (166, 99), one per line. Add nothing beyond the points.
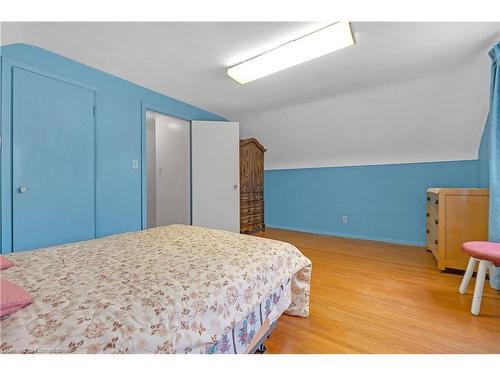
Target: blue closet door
(52, 161)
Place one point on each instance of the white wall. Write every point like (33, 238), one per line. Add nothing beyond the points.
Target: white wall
(406, 92)
(434, 118)
(173, 173)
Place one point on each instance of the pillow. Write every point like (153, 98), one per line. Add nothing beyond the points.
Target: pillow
(5, 263)
(12, 297)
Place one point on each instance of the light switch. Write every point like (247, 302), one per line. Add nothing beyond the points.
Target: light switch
(135, 164)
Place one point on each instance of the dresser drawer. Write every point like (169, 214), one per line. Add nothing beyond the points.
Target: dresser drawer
(251, 212)
(252, 221)
(432, 216)
(433, 200)
(251, 203)
(432, 238)
(432, 228)
(255, 218)
(253, 208)
(249, 197)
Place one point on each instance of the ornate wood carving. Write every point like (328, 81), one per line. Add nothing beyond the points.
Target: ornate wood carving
(251, 185)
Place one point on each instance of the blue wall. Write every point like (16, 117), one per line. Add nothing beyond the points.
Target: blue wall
(119, 106)
(382, 202)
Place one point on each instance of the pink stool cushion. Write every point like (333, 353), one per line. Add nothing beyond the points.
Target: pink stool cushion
(483, 250)
(5, 263)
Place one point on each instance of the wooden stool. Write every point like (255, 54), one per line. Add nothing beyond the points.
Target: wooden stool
(488, 255)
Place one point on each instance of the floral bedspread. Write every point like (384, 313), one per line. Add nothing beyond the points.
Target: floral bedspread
(247, 333)
(172, 289)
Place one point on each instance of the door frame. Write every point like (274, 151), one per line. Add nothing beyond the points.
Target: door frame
(6, 148)
(146, 106)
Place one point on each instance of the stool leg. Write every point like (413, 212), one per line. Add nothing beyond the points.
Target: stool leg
(478, 289)
(467, 275)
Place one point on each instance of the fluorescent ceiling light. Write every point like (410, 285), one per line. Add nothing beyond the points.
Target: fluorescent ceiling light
(308, 47)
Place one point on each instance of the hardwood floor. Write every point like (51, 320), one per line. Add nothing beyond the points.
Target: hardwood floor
(372, 297)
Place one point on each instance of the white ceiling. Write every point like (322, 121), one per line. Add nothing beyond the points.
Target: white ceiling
(406, 92)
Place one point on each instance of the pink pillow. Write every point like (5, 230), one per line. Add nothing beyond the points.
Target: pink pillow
(5, 263)
(12, 298)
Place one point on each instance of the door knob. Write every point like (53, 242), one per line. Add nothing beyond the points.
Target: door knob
(23, 189)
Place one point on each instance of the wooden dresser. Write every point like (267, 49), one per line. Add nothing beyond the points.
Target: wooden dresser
(455, 216)
(251, 185)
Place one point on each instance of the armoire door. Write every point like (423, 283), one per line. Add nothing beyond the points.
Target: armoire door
(215, 174)
(53, 161)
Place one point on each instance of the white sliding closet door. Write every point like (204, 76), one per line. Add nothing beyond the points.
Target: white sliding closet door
(215, 157)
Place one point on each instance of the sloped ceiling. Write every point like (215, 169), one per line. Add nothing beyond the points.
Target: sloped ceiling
(406, 92)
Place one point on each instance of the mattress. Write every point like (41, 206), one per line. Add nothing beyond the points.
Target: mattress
(172, 289)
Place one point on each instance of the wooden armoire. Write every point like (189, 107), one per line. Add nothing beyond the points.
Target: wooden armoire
(251, 185)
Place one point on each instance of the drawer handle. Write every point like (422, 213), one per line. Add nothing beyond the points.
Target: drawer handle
(436, 221)
(435, 242)
(428, 231)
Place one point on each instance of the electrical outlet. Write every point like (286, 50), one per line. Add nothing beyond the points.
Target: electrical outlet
(135, 164)
(344, 219)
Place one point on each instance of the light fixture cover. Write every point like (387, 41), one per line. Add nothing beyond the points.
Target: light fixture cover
(308, 47)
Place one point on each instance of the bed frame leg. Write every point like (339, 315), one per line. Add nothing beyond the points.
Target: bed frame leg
(261, 349)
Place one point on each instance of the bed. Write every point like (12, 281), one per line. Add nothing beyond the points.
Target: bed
(171, 289)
